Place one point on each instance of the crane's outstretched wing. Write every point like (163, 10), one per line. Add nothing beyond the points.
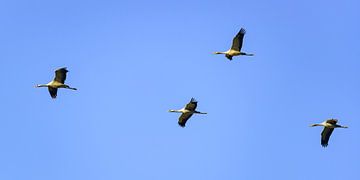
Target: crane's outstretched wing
(53, 92)
(191, 106)
(238, 40)
(60, 75)
(325, 136)
(183, 118)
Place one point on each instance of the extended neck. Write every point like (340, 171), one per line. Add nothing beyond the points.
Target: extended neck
(219, 52)
(313, 125)
(177, 111)
(41, 85)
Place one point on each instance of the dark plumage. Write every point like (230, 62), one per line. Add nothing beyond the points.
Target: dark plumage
(238, 40)
(191, 106)
(60, 75)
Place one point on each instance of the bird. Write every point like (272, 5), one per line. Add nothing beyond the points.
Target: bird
(58, 82)
(187, 112)
(235, 49)
(329, 126)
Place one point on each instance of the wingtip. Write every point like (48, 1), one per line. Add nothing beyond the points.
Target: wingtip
(181, 125)
(62, 68)
(242, 30)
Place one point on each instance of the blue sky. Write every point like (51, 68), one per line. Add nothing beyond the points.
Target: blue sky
(133, 60)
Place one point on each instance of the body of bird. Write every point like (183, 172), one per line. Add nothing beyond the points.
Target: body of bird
(55, 84)
(232, 52)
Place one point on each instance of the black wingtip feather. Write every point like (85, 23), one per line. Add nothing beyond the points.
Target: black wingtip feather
(63, 69)
(181, 125)
(242, 31)
(193, 100)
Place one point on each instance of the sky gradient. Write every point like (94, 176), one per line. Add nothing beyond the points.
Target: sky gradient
(132, 61)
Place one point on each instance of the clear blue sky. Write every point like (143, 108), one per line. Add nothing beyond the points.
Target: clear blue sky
(133, 60)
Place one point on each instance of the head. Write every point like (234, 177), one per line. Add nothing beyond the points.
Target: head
(217, 53)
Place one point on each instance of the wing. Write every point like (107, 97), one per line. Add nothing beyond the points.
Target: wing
(228, 56)
(238, 40)
(332, 121)
(60, 75)
(325, 136)
(53, 92)
(183, 118)
(191, 106)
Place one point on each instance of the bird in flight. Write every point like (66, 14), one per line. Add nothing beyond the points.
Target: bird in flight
(329, 126)
(58, 82)
(235, 49)
(187, 112)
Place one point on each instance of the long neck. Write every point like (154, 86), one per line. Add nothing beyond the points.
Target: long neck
(42, 85)
(219, 52)
(313, 125)
(177, 111)
(341, 126)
